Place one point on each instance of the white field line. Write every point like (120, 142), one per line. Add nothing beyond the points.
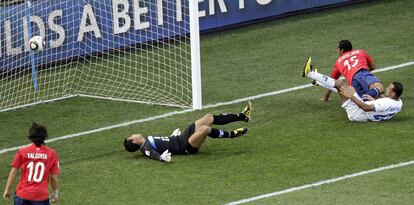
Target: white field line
(2, 151)
(320, 183)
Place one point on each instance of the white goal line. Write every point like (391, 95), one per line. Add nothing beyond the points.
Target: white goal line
(320, 183)
(2, 151)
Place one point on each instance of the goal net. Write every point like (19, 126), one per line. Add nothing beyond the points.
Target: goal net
(143, 51)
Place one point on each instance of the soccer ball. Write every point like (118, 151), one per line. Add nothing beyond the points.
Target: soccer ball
(37, 43)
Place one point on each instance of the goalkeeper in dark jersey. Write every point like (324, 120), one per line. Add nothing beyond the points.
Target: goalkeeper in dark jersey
(161, 148)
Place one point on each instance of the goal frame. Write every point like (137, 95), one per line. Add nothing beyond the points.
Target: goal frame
(194, 35)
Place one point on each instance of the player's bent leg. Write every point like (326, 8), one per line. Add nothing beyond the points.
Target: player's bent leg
(366, 83)
(323, 80)
(206, 120)
(195, 141)
(199, 136)
(217, 133)
(336, 85)
(223, 119)
(378, 85)
(375, 89)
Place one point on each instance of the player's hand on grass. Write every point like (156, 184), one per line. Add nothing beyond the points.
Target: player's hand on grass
(6, 195)
(324, 99)
(166, 156)
(326, 96)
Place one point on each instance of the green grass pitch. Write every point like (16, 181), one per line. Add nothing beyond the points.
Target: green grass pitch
(294, 138)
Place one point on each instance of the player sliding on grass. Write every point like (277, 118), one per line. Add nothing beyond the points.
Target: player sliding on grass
(161, 148)
(355, 66)
(382, 108)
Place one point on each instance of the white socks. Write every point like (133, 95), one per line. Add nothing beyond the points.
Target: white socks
(323, 80)
(329, 88)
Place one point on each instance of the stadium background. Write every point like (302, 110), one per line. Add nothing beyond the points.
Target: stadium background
(64, 20)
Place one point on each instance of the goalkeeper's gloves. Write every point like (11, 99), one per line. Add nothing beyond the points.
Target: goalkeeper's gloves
(166, 156)
(176, 132)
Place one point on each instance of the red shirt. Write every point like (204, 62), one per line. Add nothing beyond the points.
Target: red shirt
(349, 63)
(36, 163)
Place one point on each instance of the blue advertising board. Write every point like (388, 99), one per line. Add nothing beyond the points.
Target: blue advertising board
(220, 13)
(75, 28)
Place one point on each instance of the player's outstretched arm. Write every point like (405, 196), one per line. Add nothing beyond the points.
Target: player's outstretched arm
(55, 185)
(10, 180)
(148, 151)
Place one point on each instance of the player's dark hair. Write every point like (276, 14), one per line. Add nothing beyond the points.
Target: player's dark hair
(398, 88)
(345, 45)
(130, 146)
(37, 134)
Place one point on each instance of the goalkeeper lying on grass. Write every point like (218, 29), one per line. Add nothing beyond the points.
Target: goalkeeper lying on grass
(161, 148)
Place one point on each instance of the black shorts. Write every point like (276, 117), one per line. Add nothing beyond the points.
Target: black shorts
(183, 138)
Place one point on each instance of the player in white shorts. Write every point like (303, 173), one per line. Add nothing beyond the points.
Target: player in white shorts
(382, 108)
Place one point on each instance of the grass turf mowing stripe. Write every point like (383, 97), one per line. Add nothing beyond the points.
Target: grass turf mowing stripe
(2, 151)
(320, 183)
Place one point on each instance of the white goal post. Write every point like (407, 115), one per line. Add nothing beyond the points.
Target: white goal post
(144, 51)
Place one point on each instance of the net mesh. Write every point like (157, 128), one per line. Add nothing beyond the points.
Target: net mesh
(133, 50)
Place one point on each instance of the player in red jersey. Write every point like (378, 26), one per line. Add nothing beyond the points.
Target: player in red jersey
(37, 162)
(355, 66)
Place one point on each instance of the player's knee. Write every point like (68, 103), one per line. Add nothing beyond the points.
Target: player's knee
(375, 90)
(379, 87)
(204, 130)
(339, 84)
(207, 119)
(208, 116)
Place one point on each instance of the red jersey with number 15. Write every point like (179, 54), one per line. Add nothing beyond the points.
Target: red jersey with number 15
(349, 63)
(36, 163)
